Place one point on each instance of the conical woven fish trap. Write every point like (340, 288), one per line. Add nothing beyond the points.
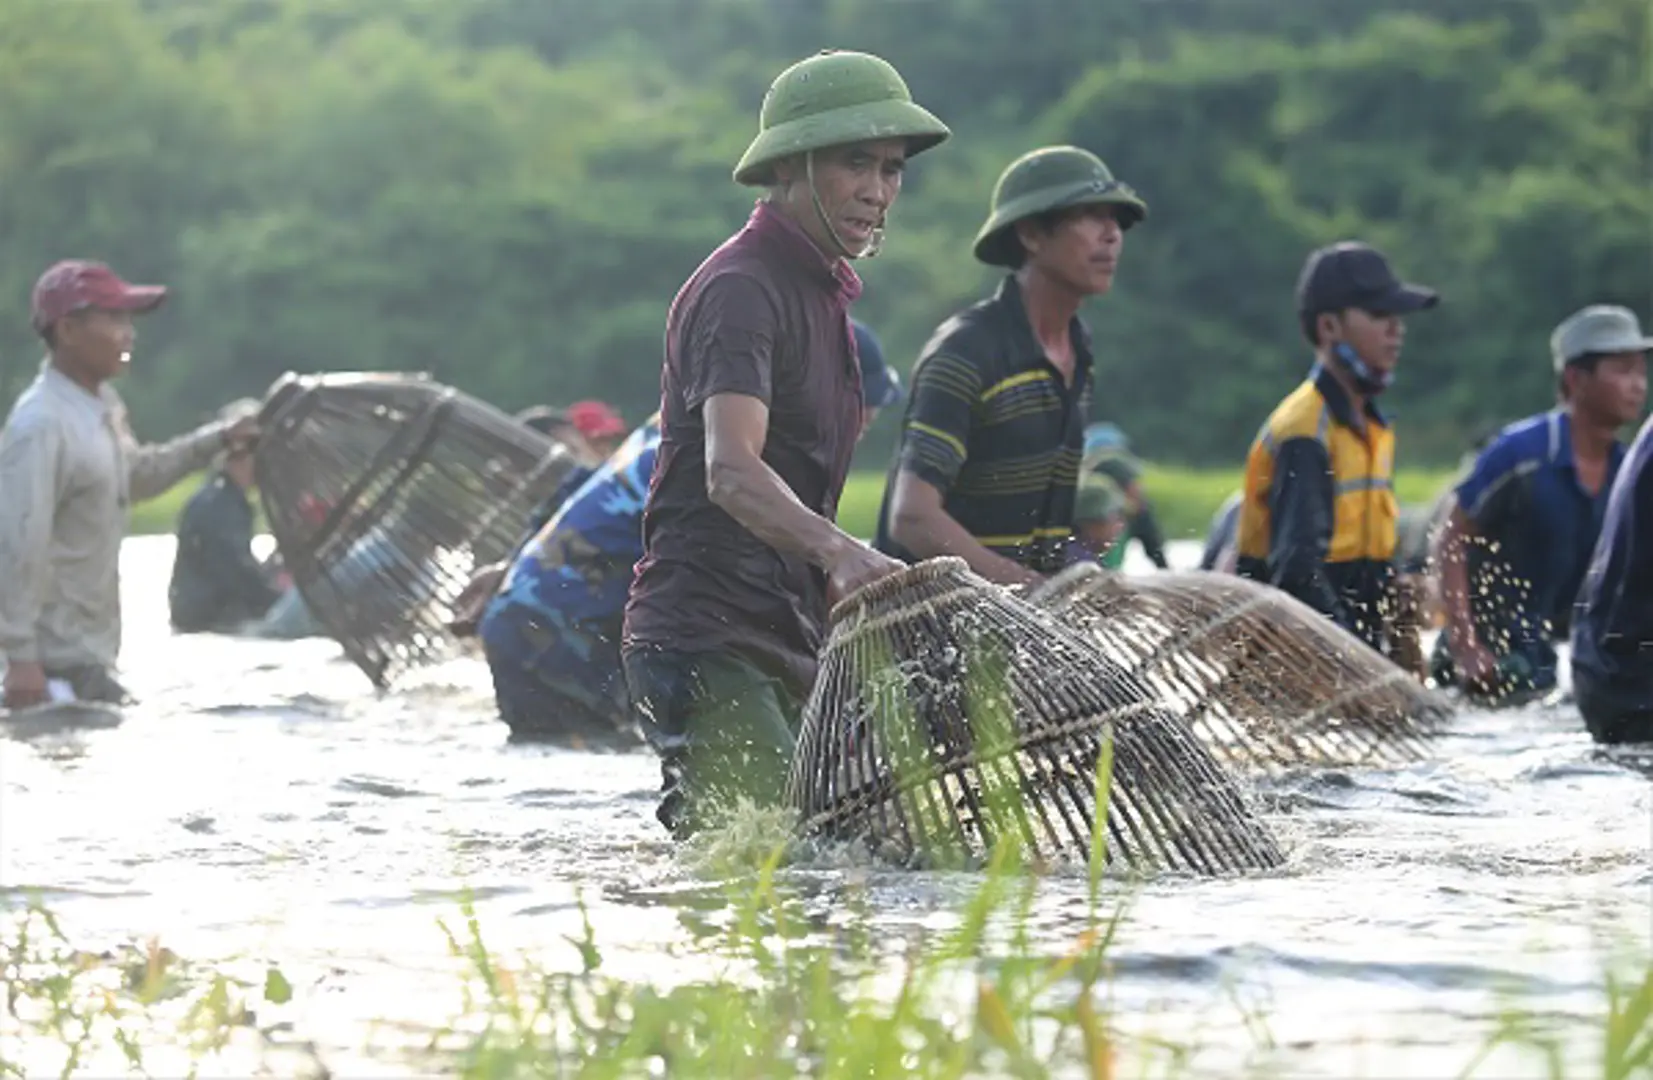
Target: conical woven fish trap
(384, 493)
(1265, 679)
(948, 713)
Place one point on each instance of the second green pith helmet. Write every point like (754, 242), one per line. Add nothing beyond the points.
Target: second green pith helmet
(1050, 178)
(830, 99)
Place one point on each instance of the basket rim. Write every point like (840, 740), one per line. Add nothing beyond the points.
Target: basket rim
(1067, 578)
(930, 569)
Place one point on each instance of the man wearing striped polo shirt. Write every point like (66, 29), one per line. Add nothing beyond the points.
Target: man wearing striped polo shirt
(995, 425)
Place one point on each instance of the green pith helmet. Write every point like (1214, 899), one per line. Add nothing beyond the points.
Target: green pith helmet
(1098, 499)
(1050, 178)
(830, 99)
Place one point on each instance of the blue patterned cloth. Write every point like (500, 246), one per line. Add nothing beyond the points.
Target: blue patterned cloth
(552, 633)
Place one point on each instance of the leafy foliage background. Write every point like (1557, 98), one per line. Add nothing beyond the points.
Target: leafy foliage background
(507, 193)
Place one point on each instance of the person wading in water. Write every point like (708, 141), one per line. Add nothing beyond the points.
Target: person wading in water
(760, 409)
(988, 465)
(70, 468)
(1318, 516)
(1517, 542)
(1613, 625)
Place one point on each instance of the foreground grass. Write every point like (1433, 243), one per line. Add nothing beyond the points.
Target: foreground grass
(791, 995)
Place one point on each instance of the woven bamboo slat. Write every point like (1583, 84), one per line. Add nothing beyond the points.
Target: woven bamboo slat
(384, 491)
(948, 712)
(1265, 680)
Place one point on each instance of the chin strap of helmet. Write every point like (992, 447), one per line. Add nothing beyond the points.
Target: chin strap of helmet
(874, 246)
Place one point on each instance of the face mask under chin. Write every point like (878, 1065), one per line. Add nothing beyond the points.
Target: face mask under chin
(1369, 380)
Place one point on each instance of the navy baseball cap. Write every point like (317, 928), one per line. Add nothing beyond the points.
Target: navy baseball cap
(880, 385)
(1351, 274)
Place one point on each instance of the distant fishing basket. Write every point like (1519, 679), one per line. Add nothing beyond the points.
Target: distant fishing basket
(948, 713)
(1265, 680)
(384, 493)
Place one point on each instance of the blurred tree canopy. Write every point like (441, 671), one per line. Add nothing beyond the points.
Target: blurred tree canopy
(507, 193)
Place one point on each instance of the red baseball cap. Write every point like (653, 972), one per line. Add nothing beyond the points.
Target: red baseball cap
(593, 419)
(313, 510)
(74, 284)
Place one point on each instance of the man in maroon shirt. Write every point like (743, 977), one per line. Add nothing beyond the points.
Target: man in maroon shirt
(760, 410)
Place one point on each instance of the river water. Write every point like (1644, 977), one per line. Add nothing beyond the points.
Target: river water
(262, 803)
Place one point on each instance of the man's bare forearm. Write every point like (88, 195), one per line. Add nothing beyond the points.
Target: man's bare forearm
(934, 533)
(156, 467)
(1451, 557)
(754, 495)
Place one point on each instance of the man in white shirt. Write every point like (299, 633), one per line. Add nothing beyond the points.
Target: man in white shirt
(69, 469)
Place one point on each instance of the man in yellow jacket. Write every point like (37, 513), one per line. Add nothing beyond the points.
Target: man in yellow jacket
(1318, 515)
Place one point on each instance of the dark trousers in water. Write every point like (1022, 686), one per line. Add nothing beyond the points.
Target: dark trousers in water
(1611, 716)
(92, 683)
(722, 727)
(550, 687)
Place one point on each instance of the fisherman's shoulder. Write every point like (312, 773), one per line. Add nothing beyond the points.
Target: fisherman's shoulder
(1530, 436)
(744, 256)
(38, 420)
(210, 498)
(730, 279)
(31, 415)
(1301, 414)
(977, 333)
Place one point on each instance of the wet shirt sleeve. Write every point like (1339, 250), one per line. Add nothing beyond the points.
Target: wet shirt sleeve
(1494, 492)
(29, 477)
(1300, 524)
(935, 437)
(730, 344)
(152, 469)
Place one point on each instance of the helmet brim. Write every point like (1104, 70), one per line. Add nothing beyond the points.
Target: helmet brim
(996, 242)
(838, 127)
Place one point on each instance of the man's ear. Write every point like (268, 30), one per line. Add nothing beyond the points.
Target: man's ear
(1330, 327)
(65, 329)
(788, 170)
(1567, 383)
(1030, 234)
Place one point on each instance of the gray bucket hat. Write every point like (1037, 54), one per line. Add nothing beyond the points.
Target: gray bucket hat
(1595, 330)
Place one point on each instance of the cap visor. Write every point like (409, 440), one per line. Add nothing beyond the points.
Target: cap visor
(1405, 300)
(140, 298)
(882, 393)
(1611, 346)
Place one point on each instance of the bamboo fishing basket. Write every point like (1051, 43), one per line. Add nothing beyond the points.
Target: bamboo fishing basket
(1265, 680)
(948, 713)
(385, 492)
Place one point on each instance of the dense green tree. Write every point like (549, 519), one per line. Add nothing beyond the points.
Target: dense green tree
(507, 193)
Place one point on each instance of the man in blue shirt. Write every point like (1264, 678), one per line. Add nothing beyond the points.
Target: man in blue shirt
(552, 632)
(1515, 548)
(1613, 623)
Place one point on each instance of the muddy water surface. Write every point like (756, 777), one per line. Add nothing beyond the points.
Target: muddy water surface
(263, 804)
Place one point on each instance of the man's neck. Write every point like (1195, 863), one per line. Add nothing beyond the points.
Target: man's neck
(80, 378)
(1592, 436)
(1341, 376)
(828, 248)
(1050, 311)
